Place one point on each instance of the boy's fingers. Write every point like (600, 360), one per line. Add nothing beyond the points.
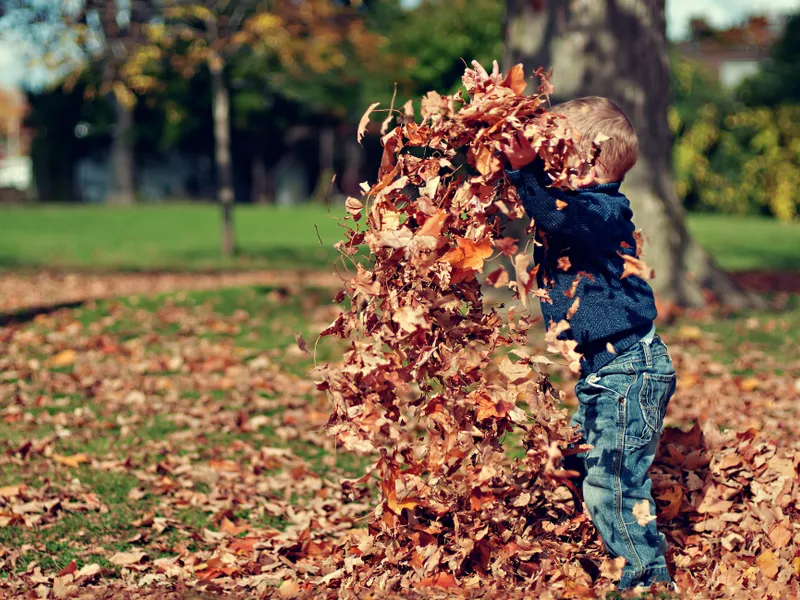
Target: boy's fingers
(479, 68)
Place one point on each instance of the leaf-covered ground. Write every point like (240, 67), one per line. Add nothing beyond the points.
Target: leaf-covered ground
(172, 446)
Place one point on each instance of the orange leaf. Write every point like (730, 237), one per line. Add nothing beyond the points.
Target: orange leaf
(469, 255)
(228, 526)
(63, 358)
(515, 79)
(433, 224)
(441, 580)
(224, 465)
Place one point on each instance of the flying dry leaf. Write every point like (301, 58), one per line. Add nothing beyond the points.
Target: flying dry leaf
(515, 79)
(433, 224)
(635, 266)
(469, 255)
(498, 278)
(561, 205)
(364, 122)
(641, 512)
(301, 343)
(574, 308)
(564, 263)
(354, 207)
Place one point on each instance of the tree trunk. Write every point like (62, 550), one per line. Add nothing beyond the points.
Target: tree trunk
(260, 183)
(222, 152)
(618, 49)
(123, 187)
(327, 147)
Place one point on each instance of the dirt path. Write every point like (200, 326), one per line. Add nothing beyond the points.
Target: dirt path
(20, 292)
(37, 291)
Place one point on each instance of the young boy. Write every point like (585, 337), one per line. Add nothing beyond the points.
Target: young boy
(627, 376)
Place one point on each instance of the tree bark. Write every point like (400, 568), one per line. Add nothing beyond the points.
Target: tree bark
(123, 186)
(222, 152)
(618, 49)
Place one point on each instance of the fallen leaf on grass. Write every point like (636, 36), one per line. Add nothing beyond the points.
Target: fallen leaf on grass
(123, 559)
(73, 461)
(63, 358)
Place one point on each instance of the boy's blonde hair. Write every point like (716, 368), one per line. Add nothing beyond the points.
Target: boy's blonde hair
(593, 115)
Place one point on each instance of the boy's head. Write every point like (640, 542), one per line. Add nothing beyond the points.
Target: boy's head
(590, 116)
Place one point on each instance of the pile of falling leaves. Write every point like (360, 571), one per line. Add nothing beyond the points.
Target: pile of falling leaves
(439, 386)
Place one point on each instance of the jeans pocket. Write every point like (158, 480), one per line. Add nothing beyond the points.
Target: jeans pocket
(657, 389)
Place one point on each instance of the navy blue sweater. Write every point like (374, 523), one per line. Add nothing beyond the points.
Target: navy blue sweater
(591, 230)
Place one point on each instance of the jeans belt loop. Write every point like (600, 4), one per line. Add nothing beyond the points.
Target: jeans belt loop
(648, 354)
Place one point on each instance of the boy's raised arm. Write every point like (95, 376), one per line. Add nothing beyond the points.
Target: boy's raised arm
(564, 213)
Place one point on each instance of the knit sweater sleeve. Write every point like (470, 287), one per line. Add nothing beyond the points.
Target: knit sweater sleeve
(583, 216)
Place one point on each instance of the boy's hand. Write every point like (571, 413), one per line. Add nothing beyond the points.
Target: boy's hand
(519, 152)
(482, 76)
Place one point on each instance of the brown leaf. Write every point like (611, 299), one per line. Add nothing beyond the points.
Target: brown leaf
(71, 568)
(564, 263)
(301, 343)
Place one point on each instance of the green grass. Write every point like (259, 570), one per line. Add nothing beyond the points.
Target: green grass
(170, 237)
(184, 236)
(745, 243)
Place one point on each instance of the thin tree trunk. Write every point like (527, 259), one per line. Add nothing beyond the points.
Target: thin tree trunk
(258, 193)
(327, 146)
(352, 167)
(222, 152)
(618, 49)
(123, 187)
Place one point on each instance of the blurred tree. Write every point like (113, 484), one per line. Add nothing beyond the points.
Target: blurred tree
(778, 81)
(465, 30)
(297, 37)
(618, 49)
(101, 32)
(732, 158)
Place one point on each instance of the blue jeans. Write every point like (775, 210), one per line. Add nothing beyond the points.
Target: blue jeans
(621, 414)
